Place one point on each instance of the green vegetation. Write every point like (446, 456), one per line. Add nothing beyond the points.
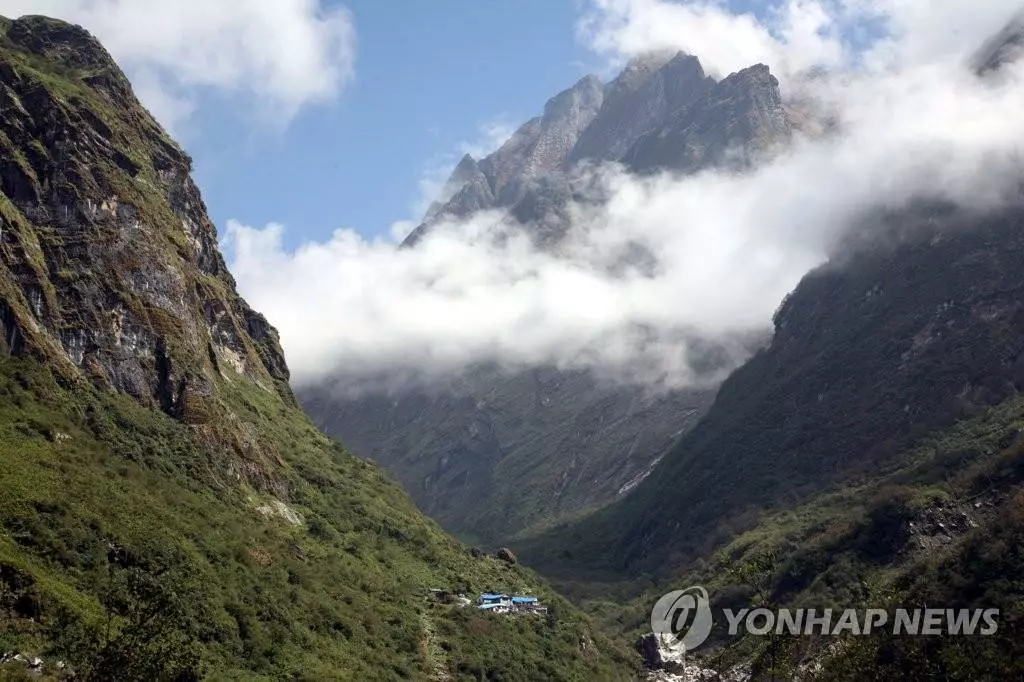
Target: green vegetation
(870, 456)
(95, 485)
(946, 530)
(167, 510)
(870, 356)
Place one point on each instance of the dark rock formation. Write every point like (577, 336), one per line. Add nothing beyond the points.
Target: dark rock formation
(650, 652)
(1004, 48)
(110, 260)
(661, 113)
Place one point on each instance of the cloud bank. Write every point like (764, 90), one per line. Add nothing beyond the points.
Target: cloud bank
(284, 54)
(913, 122)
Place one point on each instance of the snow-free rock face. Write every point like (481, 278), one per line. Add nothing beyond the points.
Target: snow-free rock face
(661, 113)
(529, 160)
(639, 100)
(496, 455)
(733, 123)
(110, 268)
(565, 117)
(467, 192)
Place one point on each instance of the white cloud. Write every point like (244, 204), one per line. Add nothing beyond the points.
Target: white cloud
(729, 246)
(285, 54)
(793, 36)
(798, 35)
(927, 32)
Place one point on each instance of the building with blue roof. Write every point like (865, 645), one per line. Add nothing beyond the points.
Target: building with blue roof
(488, 597)
(503, 603)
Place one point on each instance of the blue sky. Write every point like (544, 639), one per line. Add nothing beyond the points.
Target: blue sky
(284, 129)
(427, 78)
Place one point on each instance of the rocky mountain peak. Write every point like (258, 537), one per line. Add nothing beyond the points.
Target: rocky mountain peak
(109, 266)
(662, 112)
(639, 100)
(734, 122)
(59, 42)
(1003, 48)
(583, 97)
(551, 139)
(466, 172)
(466, 168)
(641, 67)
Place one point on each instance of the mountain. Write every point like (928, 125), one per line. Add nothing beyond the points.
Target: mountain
(495, 455)
(890, 341)
(662, 113)
(870, 456)
(168, 511)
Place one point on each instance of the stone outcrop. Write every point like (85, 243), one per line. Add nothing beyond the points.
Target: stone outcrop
(109, 266)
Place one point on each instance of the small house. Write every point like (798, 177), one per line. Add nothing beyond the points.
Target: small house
(528, 605)
(493, 598)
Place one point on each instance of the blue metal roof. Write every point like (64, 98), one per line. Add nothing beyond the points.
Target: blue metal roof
(492, 596)
(524, 600)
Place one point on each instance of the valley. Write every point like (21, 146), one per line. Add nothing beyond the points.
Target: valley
(503, 488)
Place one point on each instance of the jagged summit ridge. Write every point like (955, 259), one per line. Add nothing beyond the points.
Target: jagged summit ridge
(639, 100)
(662, 112)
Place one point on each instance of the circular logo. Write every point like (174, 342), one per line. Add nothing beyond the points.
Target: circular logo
(682, 619)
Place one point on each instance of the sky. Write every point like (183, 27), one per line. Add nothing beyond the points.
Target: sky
(317, 128)
(429, 80)
(432, 79)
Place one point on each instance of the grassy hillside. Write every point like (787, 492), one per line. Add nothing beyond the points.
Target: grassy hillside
(99, 492)
(495, 454)
(167, 512)
(945, 530)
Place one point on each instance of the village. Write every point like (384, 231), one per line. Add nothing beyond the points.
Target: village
(503, 603)
(493, 602)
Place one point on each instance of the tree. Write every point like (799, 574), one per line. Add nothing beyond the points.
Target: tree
(148, 631)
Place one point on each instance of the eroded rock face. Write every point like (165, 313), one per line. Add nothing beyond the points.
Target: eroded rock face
(661, 113)
(729, 125)
(639, 100)
(109, 262)
(650, 651)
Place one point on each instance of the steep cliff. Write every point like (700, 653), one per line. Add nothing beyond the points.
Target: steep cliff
(662, 113)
